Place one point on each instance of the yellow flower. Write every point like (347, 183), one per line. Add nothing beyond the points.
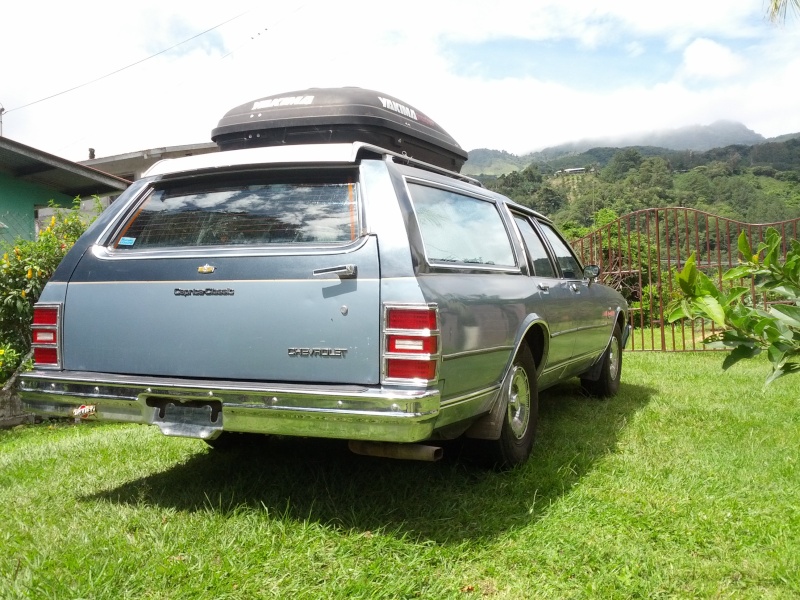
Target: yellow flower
(29, 274)
(53, 221)
(24, 294)
(2, 352)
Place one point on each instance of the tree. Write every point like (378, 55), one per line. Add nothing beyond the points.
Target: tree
(747, 330)
(778, 8)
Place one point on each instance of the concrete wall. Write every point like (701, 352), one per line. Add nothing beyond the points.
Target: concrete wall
(18, 203)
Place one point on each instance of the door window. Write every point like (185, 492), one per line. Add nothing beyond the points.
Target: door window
(570, 267)
(540, 260)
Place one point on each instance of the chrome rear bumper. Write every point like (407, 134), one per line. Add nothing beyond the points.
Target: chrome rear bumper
(204, 408)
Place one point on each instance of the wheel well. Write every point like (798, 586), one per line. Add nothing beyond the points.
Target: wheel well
(535, 338)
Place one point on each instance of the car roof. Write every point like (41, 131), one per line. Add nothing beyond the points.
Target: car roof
(311, 153)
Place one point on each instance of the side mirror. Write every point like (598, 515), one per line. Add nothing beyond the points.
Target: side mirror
(591, 272)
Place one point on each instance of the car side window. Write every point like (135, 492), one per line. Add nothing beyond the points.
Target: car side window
(460, 229)
(542, 267)
(570, 267)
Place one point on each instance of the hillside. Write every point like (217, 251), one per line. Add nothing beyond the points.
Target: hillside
(679, 144)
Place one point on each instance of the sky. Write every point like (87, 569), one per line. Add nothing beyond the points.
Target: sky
(516, 75)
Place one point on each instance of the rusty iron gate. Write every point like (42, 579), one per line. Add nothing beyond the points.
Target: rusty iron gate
(640, 254)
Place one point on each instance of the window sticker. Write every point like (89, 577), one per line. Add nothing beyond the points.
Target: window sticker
(126, 241)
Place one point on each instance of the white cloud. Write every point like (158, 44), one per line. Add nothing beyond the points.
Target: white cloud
(706, 59)
(735, 66)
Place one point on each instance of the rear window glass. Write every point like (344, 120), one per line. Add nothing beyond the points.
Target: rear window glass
(248, 214)
(460, 229)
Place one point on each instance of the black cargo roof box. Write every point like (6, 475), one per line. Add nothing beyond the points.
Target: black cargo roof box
(330, 115)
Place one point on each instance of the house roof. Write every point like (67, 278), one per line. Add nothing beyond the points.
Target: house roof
(56, 173)
(134, 164)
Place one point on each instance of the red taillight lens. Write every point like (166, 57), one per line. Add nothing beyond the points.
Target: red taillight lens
(404, 318)
(44, 336)
(399, 368)
(45, 315)
(45, 356)
(412, 345)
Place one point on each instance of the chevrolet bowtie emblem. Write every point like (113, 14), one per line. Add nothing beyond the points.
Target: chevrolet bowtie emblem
(206, 269)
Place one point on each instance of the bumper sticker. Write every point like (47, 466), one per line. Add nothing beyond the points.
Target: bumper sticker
(84, 411)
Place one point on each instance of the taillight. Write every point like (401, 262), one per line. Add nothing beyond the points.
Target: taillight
(45, 336)
(411, 348)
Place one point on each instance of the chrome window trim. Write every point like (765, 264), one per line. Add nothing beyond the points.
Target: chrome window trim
(103, 252)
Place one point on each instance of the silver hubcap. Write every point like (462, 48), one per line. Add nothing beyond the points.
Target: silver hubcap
(613, 358)
(519, 402)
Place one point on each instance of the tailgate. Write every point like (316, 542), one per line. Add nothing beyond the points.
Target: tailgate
(294, 299)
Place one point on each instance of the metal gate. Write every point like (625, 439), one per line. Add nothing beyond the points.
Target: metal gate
(640, 254)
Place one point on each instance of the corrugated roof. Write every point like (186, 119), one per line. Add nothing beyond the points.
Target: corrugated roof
(56, 173)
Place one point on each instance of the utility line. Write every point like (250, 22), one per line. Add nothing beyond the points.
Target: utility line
(77, 87)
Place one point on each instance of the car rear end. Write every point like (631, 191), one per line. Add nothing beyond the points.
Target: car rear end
(243, 291)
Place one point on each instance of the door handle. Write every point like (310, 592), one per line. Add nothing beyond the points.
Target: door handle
(343, 271)
(574, 287)
(544, 288)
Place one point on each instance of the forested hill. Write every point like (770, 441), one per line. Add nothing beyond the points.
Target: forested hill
(755, 184)
(684, 147)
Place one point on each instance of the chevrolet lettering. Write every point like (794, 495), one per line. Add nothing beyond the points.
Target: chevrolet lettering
(321, 352)
(338, 277)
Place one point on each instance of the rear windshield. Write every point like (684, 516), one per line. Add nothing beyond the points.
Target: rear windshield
(298, 212)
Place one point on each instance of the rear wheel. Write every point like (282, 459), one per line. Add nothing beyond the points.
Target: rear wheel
(611, 370)
(521, 413)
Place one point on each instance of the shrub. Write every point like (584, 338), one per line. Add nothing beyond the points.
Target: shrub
(25, 267)
(749, 330)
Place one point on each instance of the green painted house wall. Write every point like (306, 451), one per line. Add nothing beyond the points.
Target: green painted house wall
(18, 201)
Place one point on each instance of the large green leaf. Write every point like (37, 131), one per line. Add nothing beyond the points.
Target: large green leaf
(687, 276)
(787, 313)
(711, 308)
(744, 245)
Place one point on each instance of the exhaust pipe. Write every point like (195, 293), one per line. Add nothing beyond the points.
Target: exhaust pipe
(396, 450)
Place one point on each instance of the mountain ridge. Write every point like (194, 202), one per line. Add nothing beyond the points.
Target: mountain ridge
(693, 138)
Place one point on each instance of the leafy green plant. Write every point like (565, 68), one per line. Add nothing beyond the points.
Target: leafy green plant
(9, 360)
(25, 267)
(749, 330)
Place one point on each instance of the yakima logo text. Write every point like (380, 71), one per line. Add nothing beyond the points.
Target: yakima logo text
(398, 108)
(287, 101)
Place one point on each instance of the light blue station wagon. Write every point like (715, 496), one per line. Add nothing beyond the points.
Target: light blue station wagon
(329, 273)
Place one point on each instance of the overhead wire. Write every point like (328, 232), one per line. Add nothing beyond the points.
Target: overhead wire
(138, 62)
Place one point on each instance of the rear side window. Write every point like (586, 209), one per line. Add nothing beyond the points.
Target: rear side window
(305, 213)
(460, 229)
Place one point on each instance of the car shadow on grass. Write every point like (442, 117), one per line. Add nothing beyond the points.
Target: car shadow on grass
(452, 500)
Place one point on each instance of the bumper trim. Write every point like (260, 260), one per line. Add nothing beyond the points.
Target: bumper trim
(179, 406)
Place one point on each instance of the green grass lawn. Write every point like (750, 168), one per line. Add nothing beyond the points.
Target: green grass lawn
(686, 485)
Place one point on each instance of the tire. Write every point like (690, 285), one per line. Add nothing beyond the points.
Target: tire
(611, 371)
(521, 399)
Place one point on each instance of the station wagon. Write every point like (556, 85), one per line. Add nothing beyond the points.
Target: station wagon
(328, 273)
